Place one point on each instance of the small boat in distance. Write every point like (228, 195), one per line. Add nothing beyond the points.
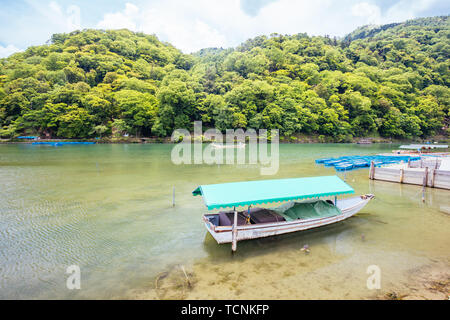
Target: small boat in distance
(253, 223)
(239, 145)
(364, 141)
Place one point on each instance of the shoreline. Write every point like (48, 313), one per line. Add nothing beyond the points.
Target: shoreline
(282, 140)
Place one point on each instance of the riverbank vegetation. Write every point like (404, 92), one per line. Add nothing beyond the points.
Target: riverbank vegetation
(383, 81)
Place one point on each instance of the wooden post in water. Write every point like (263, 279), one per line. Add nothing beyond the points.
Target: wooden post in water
(371, 170)
(234, 232)
(433, 172)
(402, 173)
(425, 178)
(173, 197)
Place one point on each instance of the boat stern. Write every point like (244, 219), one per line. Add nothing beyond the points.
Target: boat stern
(219, 233)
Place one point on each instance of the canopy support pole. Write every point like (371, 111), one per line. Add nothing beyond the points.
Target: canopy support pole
(234, 232)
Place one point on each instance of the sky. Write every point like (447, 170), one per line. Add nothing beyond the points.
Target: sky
(196, 24)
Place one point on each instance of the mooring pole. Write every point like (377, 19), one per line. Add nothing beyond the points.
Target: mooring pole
(433, 172)
(371, 170)
(425, 180)
(173, 197)
(234, 232)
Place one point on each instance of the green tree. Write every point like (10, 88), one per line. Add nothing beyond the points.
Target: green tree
(138, 110)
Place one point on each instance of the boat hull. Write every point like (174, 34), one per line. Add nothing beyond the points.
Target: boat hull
(223, 234)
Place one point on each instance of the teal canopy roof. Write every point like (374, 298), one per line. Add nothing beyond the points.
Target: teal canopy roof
(266, 191)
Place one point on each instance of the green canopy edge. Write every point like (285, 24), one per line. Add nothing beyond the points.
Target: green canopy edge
(245, 193)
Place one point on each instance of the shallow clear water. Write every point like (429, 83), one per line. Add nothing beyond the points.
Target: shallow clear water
(108, 209)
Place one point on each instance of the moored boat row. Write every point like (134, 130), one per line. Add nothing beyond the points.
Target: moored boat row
(354, 162)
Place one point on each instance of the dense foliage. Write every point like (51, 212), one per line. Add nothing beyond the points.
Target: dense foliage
(391, 81)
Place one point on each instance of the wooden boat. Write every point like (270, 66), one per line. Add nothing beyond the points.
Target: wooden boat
(233, 226)
(239, 145)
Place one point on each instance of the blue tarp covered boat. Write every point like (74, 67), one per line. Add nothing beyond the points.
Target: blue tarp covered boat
(355, 162)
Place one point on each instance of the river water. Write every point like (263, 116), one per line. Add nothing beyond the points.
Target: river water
(108, 209)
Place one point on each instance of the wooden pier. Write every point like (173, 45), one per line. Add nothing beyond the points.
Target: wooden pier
(425, 173)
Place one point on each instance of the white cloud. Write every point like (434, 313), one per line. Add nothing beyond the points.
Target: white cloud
(404, 10)
(291, 16)
(399, 11)
(8, 50)
(73, 17)
(65, 20)
(198, 24)
(33, 22)
(195, 24)
(119, 20)
(370, 12)
(181, 26)
(189, 32)
(189, 37)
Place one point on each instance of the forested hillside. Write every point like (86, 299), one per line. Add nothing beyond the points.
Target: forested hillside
(391, 81)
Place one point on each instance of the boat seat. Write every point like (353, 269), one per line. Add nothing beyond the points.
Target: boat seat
(257, 215)
(261, 215)
(226, 218)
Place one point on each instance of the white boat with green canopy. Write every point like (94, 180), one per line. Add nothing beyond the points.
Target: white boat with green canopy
(311, 202)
